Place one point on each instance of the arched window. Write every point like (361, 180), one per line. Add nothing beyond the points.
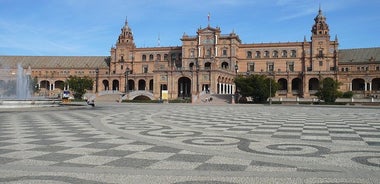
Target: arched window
(166, 57)
(143, 57)
(224, 65)
(151, 57)
(275, 54)
(208, 66)
(266, 54)
(284, 53)
(173, 57)
(158, 56)
(293, 53)
(249, 54)
(258, 54)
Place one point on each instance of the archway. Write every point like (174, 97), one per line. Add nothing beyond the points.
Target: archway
(358, 84)
(115, 85)
(106, 84)
(131, 85)
(376, 84)
(283, 84)
(224, 65)
(208, 66)
(59, 84)
(151, 84)
(142, 84)
(184, 87)
(313, 84)
(296, 85)
(45, 85)
(141, 97)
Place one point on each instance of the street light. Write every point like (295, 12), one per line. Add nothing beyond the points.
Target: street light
(270, 89)
(97, 79)
(126, 80)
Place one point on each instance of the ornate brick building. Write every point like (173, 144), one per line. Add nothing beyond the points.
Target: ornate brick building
(209, 61)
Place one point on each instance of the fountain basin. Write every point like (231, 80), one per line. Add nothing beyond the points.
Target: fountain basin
(15, 103)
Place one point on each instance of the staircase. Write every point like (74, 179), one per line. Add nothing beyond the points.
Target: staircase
(216, 99)
(108, 98)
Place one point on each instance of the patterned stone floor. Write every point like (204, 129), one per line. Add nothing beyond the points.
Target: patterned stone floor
(190, 144)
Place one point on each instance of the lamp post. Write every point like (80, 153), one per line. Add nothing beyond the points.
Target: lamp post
(270, 89)
(126, 80)
(197, 71)
(97, 79)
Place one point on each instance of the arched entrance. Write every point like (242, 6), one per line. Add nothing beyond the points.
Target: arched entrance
(59, 84)
(283, 84)
(115, 85)
(45, 85)
(376, 84)
(131, 85)
(106, 85)
(142, 84)
(358, 84)
(184, 87)
(151, 85)
(297, 86)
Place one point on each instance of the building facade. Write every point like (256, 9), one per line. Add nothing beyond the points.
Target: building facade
(209, 61)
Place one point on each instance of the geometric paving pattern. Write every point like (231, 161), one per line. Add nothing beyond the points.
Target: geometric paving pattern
(182, 143)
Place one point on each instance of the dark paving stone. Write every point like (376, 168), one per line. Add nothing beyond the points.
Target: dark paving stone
(131, 162)
(91, 139)
(5, 151)
(316, 134)
(4, 160)
(101, 145)
(370, 136)
(163, 149)
(114, 153)
(2, 144)
(342, 132)
(287, 136)
(220, 167)
(373, 143)
(347, 138)
(289, 130)
(189, 158)
(44, 142)
(140, 143)
(269, 164)
(240, 129)
(65, 164)
(50, 148)
(41, 136)
(57, 157)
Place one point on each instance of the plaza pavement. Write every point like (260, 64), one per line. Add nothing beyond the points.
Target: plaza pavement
(190, 144)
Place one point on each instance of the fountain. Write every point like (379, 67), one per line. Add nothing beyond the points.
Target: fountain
(15, 90)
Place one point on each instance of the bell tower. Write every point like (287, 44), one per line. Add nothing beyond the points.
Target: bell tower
(320, 27)
(126, 35)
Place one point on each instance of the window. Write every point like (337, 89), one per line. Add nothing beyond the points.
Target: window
(284, 53)
(270, 67)
(158, 57)
(377, 68)
(266, 54)
(251, 67)
(291, 66)
(166, 57)
(145, 69)
(143, 57)
(224, 53)
(293, 53)
(320, 53)
(275, 54)
(320, 63)
(151, 57)
(121, 67)
(191, 53)
(249, 54)
(173, 57)
(258, 54)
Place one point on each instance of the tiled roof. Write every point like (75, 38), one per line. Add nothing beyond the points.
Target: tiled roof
(53, 61)
(359, 55)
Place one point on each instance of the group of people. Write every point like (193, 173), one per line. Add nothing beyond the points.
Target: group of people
(207, 99)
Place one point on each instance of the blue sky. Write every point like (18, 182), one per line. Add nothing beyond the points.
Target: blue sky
(91, 27)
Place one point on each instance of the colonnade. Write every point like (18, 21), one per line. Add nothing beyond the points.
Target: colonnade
(224, 88)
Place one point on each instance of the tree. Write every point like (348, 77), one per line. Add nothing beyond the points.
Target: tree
(256, 86)
(79, 85)
(329, 90)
